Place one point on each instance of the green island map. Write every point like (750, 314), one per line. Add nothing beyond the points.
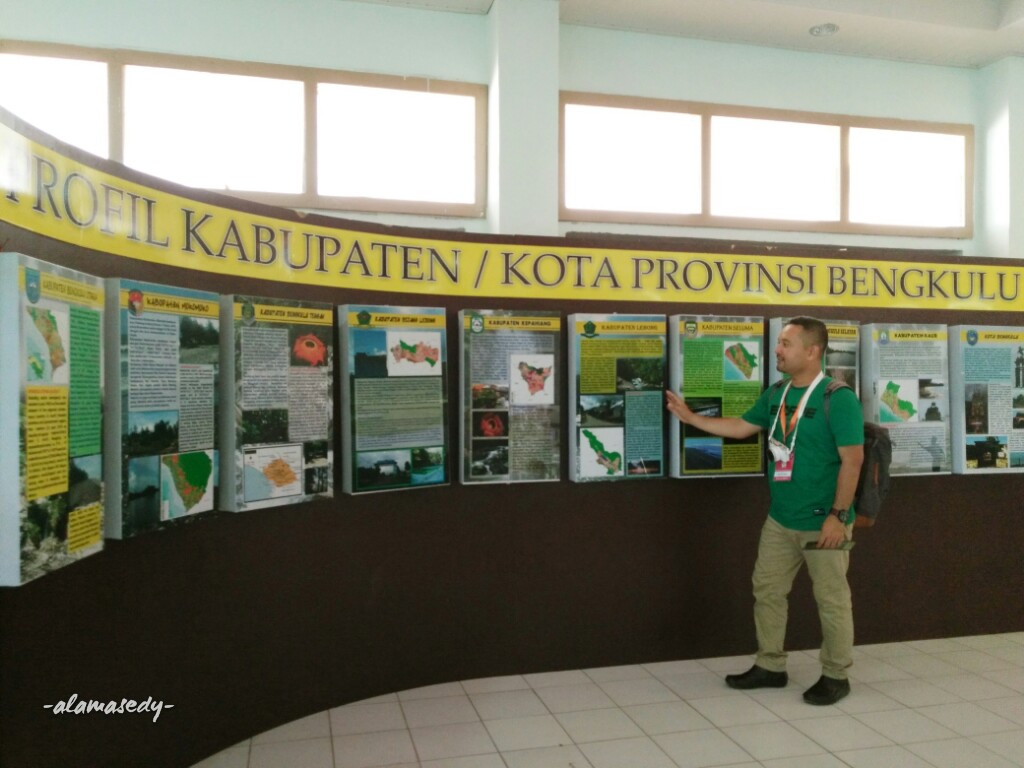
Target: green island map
(191, 475)
(739, 356)
(610, 460)
(46, 324)
(420, 352)
(901, 409)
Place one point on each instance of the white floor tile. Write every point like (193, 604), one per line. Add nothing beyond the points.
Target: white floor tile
(309, 753)
(609, 674)
(972, 687)
(724, 711)
(697, 749)
(864, 698)
(661, 669)
(938, 645)
(473, 761)
(546, 757)
(1010, 678)
(432, 692)
(527, 733)
(925, 665)
(953, 702)
(496, 684)
(968, 719)
(1009, 745)
(494, 706)
(313, 727)
(915, 693)
(667, 717)
(457, 740)
(573, 698)
(699, 685)
(905, 726)
(871, 670)
(598, 725)
(975, 661)
(235, 757)
(806, 761)
(366, 718)
(888, 650)
(568, 677)
(363, 750)
(958, 753)
(626, 753)
(627, 693)
(421, 713)
(788, 704)
(767, 741)
(1011, 708)
(837, 734)
(883, 757)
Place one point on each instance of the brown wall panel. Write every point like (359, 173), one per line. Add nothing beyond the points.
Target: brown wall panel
(247, 621)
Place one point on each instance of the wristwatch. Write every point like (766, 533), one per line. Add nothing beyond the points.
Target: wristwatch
(841, 514)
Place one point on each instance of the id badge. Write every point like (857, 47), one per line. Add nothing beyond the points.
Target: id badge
(784, 469)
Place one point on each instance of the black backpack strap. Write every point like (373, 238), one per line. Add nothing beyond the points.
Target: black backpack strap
(832, 386)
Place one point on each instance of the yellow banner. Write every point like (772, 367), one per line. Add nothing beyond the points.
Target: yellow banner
(505, 323)
(842, 331)
(381, 320)
(912, 335)
(728, 329)
(273, 313)
(996, 337)
(43, 190)
(622, 327)
(174, 305)
(53, 286)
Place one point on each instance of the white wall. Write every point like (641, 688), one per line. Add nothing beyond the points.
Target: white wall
(374, 38)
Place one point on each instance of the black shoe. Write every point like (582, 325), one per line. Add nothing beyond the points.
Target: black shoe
(757, 677)
(826, 691)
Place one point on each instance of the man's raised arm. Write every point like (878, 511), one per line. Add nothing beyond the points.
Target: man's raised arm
(729, 426)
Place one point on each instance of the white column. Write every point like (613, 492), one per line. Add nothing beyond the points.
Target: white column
(999, 149)
(522, 194)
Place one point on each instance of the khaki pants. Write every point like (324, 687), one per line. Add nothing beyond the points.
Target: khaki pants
(779, 557)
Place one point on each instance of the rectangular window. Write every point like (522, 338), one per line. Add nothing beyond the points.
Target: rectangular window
(65, 97)
(634, 160)
(637, 160)
(214, 131)
(393, 144)
(290, 136)
(773, 169)
(908, 178)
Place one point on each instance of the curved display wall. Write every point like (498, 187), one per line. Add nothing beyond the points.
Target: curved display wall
(238, 622)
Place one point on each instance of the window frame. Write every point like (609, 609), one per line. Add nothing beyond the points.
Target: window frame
(117, 59)
(705, 219)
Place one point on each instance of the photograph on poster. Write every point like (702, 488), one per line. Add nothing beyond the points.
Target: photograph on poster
(384, 468)
(601, 410)
(988, 452)
(639, 373)
(490, 458)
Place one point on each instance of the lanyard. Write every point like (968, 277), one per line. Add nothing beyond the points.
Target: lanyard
(794, 422)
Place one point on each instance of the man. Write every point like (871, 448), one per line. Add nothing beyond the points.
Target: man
(813, 475)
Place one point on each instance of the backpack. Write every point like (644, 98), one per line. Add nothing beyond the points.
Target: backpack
(873, 484)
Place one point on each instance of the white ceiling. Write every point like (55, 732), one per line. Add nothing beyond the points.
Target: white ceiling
(961, 33)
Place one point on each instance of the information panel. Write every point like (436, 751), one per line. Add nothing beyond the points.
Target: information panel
(394, 386)
(616, 383)
(841, 360)
(509, 396)
(276, 403)
(160, 408)
(905, 388)
(716, 364)
(986, 368)
(51, 417)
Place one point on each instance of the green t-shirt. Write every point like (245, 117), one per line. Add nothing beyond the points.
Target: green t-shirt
(801, 503)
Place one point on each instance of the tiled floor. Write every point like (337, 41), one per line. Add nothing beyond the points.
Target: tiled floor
(954, 703)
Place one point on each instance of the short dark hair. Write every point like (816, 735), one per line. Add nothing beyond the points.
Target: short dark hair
(815, 331)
